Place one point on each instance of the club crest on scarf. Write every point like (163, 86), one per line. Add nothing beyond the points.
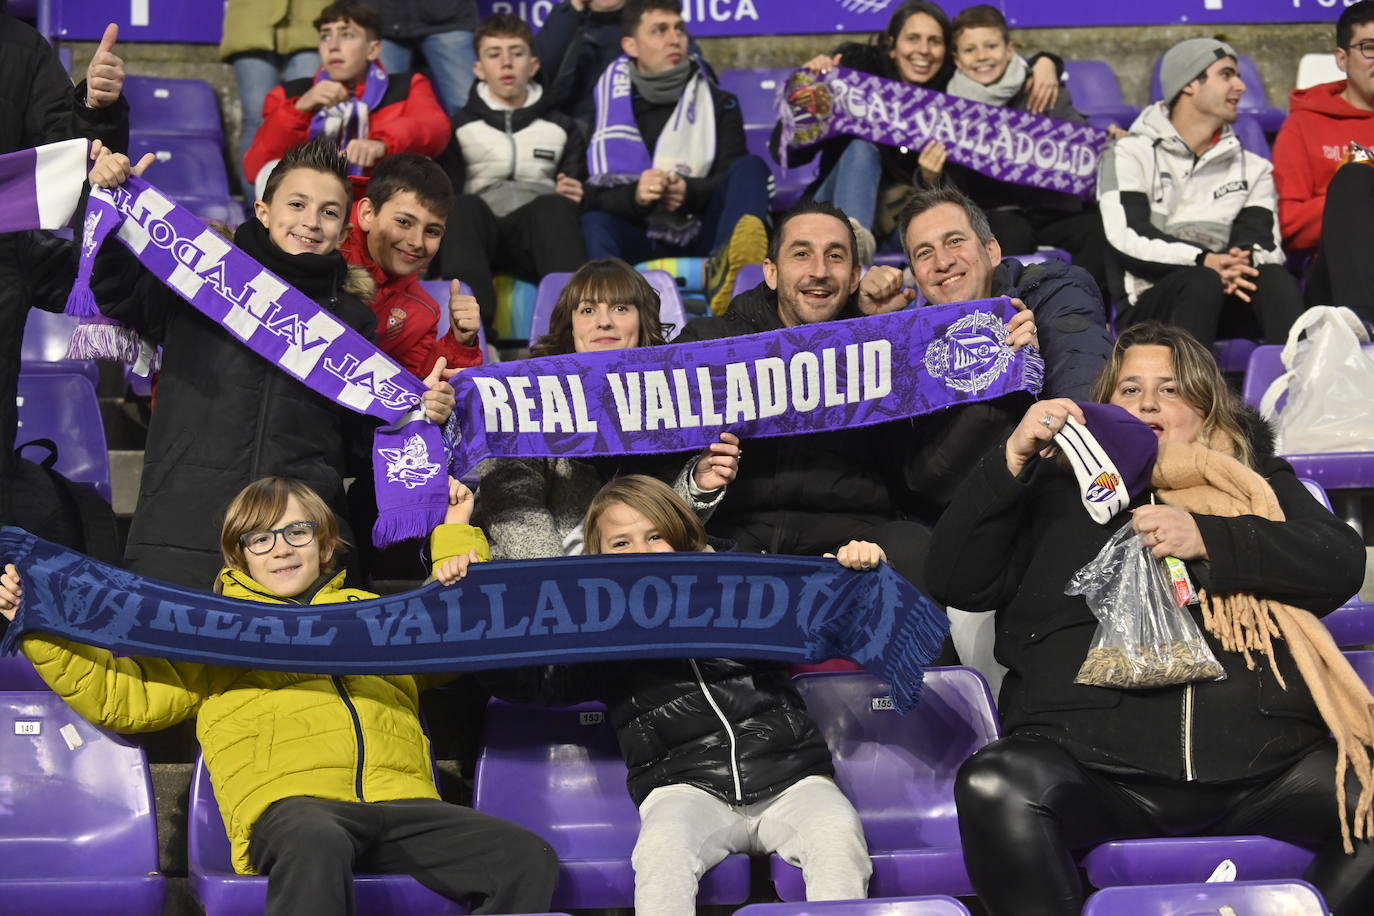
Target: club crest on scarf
(812, 103)
(409, 464)
(88, 233)
(971, 354)
(1103, 487)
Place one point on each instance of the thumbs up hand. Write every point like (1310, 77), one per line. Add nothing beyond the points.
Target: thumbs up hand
(438, 398)
(105, 73)
(464, 315)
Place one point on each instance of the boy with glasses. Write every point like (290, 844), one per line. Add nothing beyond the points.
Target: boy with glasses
(1325, 191)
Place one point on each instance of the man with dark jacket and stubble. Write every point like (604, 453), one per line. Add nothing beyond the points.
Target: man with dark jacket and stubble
(811, 493)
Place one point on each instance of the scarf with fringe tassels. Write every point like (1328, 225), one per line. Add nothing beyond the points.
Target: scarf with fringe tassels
(1195, 478)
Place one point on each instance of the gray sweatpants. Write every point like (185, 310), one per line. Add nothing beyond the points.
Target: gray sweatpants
(684, 831)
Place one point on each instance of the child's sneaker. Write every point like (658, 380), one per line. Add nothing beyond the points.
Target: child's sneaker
(748, 245)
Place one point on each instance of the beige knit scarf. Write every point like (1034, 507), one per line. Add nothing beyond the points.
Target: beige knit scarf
(1198, 479)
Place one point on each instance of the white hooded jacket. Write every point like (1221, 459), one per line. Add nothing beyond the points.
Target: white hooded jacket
(1164, 208)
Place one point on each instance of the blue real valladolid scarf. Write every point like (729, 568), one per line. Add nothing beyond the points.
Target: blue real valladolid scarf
(503, 614)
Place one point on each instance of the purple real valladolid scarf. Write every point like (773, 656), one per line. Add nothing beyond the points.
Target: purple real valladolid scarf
(289, 330)
(350, 117)
(680, 397)
(1002, 143)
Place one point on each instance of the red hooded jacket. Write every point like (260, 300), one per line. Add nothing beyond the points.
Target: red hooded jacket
(407, 316)
(1307, 152)
(408, 120)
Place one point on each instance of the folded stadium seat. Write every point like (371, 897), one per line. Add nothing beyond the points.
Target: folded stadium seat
(63, 407)
(558, 772)
(1233, 354)
(892, 906)
(899, 771)
(670, 307)
(223, 892)
(438, 289)
(1040, 255)
(1314, 69)
(749, 276)
(1192, 859)
(1351, 624)
(191, 167)
(1097, 93)
(16, 673)
(1339, 473)
(44, 347)
(161, 105)
(80, 833)
(1252, 898)
(217, 209)
(1250, 133)
(1255, 101)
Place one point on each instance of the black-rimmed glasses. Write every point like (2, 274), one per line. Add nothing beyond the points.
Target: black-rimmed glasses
(1366, 49)
(297, 534)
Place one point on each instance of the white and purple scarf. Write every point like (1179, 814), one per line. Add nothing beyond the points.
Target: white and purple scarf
(618, 154)
(348, 120)
(289, 330)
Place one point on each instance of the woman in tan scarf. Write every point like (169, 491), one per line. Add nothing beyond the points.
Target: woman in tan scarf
(1250, 754)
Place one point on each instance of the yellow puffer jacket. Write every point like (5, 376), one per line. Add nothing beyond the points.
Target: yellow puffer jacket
(266, 735)
(279, 26)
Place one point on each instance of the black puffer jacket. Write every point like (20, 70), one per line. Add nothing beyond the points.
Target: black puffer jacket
(736, 729)
(1011, 543)
(37, 105)
(223, 416)
(1070, 321)
(881, 473)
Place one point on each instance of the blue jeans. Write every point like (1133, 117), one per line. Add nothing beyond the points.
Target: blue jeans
(744, 190)
(852, 184)
(257, 74)
(449, 56)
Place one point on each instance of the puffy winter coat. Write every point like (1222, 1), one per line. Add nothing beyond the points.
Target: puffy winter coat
(1070, 320)
(736, 729)
(266, 735)
(1011, 543)
(223, 415)
(409, 119)
(508, 156)
(1164, 208)
(402, 19)
(1307, 152)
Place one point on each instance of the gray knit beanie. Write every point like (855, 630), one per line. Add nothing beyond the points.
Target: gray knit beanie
(1188, 60)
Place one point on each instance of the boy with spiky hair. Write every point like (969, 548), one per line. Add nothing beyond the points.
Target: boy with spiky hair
(368, 112)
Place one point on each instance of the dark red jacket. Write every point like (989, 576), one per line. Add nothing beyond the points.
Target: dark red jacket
(407, 316)
(409, 120)
(1307, 153)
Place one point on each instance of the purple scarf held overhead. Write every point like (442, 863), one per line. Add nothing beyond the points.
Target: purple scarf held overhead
(348, 120)
(1002, 143)
(289, 330)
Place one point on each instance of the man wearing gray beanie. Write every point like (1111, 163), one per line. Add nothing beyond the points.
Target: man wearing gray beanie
(1191, 216)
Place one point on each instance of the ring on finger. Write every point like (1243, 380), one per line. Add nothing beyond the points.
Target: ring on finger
(1048, 421)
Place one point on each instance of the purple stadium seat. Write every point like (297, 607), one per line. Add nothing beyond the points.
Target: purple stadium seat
(749, 276)
(757, 91)
(899, 773)
(438, 289)
(1192, 859)
(44, 347)
(161, 105)
(1041, 255)
(671, 311)
(222, 892)
(1251, 134)
(892, 906)
(1233, 354)
(1255, 101)
(186, 166)
(1097, 94)
(62, 406)
(79, 834)
(558, 772)
(1251, 898)
(1353, 623)
(16, 673)
(214, 209)
(1363, 663)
